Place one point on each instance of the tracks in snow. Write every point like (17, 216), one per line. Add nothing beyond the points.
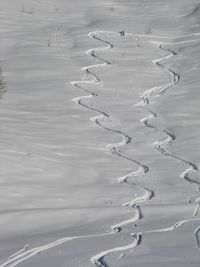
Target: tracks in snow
(98, 259)
(26, 253)
(162, 146)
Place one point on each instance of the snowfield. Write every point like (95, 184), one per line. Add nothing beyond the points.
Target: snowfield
(99, 133)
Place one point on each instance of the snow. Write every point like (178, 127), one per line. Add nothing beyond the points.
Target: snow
(99, 138)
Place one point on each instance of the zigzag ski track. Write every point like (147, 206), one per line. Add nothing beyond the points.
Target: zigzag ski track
(98, 259)
(162, 146)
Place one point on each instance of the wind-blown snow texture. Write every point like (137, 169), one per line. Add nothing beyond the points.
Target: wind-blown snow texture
(99, 140)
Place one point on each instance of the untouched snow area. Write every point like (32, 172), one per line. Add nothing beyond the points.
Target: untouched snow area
(99, 139)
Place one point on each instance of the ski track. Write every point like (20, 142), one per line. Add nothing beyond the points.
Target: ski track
(98, 259)
(172, 228)
(26, 253)
(162, 146)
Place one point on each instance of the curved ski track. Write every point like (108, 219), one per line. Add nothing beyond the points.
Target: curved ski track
(162, 146)
(98, 259)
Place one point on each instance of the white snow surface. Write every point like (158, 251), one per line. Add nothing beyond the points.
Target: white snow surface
(99, 133)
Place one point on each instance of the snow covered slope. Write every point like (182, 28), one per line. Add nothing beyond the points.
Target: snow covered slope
(99, 133)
